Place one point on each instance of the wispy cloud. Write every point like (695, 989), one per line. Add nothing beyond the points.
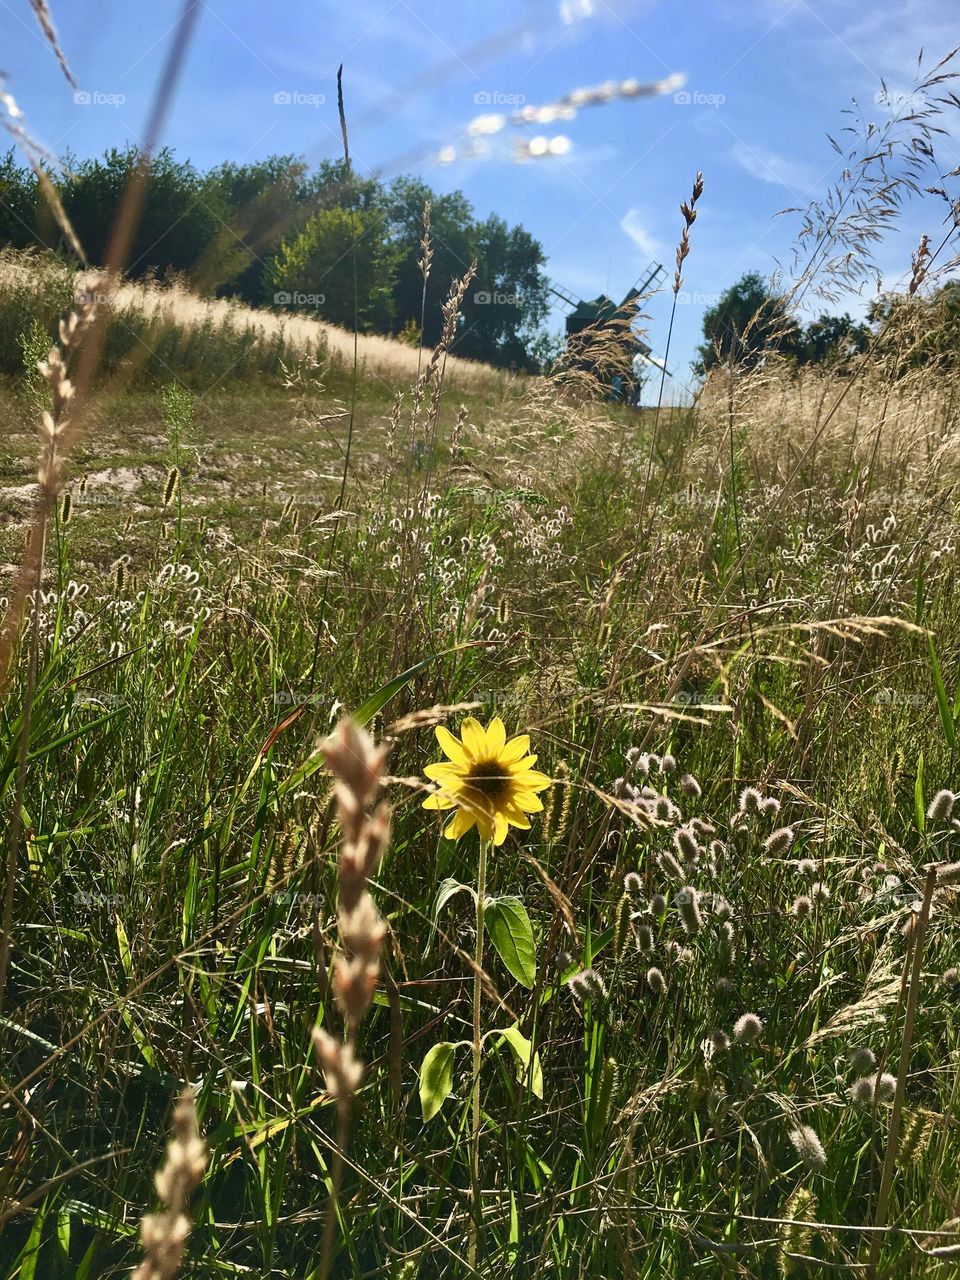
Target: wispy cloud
(769, 166)
(632, 223)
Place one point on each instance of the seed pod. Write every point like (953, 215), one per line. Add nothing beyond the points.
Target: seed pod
(66, 508)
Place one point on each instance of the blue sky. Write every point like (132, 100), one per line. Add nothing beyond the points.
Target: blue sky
(766, 80)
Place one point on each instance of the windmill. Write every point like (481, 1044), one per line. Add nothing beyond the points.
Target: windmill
(599, 311)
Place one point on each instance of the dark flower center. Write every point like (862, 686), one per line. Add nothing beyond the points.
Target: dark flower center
(489, 778)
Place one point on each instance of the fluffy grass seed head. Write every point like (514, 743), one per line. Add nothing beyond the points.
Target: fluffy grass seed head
(690, 786)
(488, 781)
(862, 1060)
(688, 904)
(809, 1148)
(940, 808)
(779, 842)
(669, 865)
(587, 985)
(656, 981)
(802, 906)
(750, 799)
(883, 1087)
(747, 1029)
(686, 844)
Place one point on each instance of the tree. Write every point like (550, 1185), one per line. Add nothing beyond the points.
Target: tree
(175, 225)
(453, 244)
(508, 300)
(832, 340)
(18, 203)
(747, 323)
(341, 266)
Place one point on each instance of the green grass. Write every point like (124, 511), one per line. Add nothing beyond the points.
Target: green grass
(176, 885)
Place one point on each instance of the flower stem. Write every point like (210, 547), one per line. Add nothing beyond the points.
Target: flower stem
(477, 1050)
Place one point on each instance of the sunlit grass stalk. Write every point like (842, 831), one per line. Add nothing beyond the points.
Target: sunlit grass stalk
(477, 1213)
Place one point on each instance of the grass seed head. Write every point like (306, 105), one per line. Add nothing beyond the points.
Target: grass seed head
(779, 842)
(656, 981)
(747, 1029)
(809, 1148)
(940, 808)
(688, 904)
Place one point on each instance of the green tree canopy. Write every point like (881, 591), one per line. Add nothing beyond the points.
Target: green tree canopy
(341, 266)
(747, 323)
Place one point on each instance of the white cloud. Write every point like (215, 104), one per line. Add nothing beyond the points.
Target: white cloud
(632, 224)
(768, 166)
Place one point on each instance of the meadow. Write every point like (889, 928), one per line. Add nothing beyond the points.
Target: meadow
(717, 996)
(457, 825)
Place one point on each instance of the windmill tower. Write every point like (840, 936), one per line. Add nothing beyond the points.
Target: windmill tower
(601, 311)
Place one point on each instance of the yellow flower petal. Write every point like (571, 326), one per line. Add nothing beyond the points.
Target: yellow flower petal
(515, 749)
(474, 738)
(516, 817)
(500, 828)
(527, 762)
(459, 824)
(440, 800)
(531, 781)
(496, 737)
(528, 802)
(450, 746)
(443, 772)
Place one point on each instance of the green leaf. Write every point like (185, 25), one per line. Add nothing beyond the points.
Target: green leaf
(436, 1079)
(449, 888)
(521, 1048)
(943, 702)
(918, 805)
(377, 701)
(512, 936)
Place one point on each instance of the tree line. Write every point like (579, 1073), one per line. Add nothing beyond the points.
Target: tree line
(749, 322)
(326, 241)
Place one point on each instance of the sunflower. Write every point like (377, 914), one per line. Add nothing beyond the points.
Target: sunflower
(489, 781)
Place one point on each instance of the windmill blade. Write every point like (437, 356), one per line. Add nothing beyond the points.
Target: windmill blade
(566, 296)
